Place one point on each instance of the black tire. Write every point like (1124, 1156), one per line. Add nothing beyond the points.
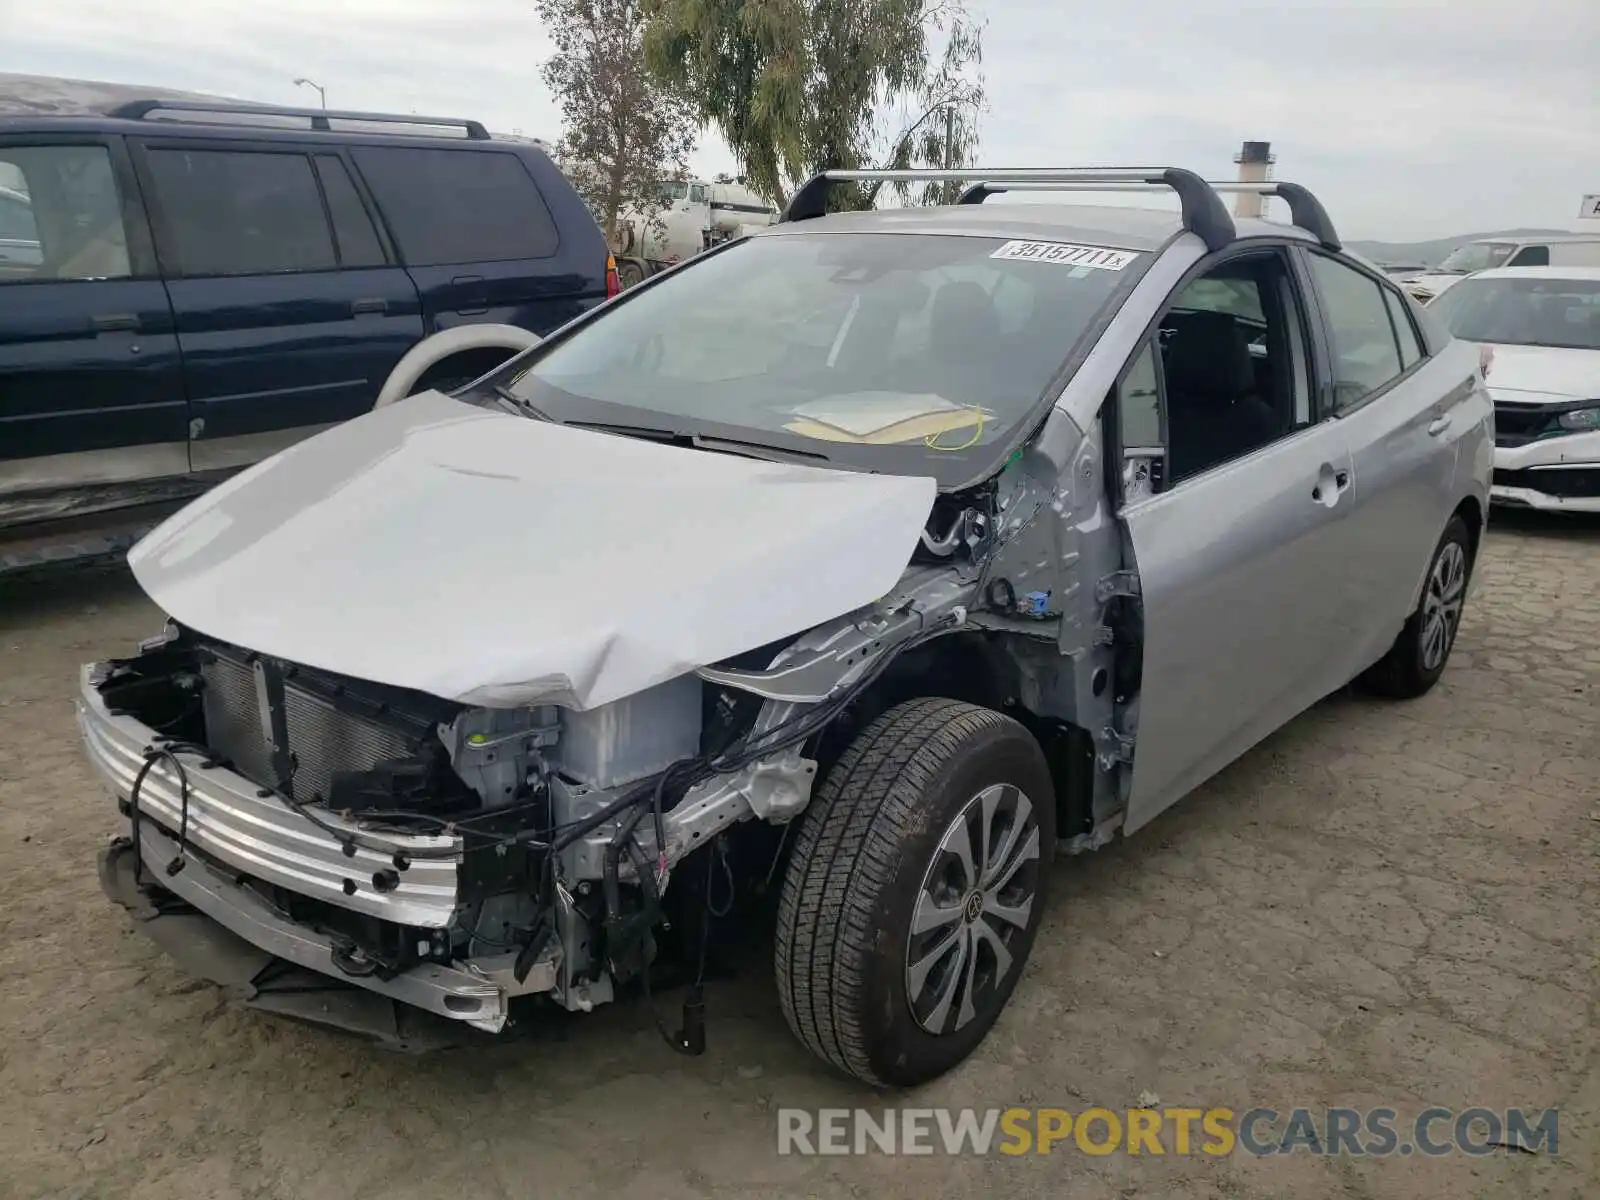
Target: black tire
(868, 847)
(1412, 666)
(444, 384)
(629, 273)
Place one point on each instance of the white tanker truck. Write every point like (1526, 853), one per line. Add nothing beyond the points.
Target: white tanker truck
(697, 215)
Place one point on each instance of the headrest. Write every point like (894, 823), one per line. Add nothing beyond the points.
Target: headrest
(963, 319)
(1208, 357)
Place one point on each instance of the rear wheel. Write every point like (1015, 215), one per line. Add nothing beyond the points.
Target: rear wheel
(915, 891)
(629, 273)
(1418, 657)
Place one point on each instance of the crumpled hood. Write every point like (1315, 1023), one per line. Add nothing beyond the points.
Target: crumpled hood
(1431, 282)
(494, 559)
(1541, 374)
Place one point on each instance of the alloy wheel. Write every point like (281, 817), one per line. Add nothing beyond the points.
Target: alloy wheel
(1441, 604)
(976, 900)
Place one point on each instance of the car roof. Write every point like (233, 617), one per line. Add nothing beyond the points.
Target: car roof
(1120, 227)
(1586, 273)
(40, 103)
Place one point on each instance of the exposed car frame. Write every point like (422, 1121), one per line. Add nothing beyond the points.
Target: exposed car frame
(1025, 597)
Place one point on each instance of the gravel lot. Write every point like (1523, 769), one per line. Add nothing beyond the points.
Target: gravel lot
(1382, 905)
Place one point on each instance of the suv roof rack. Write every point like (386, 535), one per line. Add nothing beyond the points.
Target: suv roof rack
(1204, 213)
(1305, 210)
(317, 118)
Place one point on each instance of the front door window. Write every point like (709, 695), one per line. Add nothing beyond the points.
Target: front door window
(1226, 374)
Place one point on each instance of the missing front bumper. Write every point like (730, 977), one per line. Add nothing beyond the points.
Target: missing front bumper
(226, 934)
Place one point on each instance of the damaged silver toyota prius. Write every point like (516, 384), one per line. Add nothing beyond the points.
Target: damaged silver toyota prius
(878, 557)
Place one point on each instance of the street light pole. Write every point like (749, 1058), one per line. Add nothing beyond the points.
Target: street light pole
(321, 94)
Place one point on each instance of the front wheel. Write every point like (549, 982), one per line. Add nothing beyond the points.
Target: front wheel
(1418, 657)
(915, 891)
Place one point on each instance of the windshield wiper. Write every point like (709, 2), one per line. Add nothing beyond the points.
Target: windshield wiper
(699, 441)
(647, 432)
(526, 407)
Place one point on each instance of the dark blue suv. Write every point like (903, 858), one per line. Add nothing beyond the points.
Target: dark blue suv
(188, 287)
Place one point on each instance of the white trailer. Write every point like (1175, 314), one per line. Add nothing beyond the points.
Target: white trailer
(698, 214)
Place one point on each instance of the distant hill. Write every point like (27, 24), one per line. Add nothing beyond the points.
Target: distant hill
(1429, 254)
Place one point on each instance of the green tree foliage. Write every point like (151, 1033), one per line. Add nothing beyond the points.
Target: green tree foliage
(800, 86)
(623, 133)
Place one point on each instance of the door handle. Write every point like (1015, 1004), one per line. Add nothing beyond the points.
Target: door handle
(114, 322)
(357, 307)
(1330, 485)
(1438, 425)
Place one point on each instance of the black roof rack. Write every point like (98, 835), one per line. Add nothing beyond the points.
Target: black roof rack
(1305, 210)
(318, 118)
(1204, 213)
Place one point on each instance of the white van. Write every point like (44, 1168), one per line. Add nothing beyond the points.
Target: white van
(1560, 250)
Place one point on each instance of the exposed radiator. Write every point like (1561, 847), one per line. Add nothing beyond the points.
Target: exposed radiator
(322, 739)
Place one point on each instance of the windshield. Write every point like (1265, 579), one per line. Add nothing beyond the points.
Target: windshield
(912, 353)
(1476, 256)
(1523, 312)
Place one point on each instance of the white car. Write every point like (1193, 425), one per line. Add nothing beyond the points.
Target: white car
(1561, 250)
(1540, 332)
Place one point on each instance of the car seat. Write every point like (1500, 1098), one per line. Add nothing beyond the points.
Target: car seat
(964, 340)
(1213, 411)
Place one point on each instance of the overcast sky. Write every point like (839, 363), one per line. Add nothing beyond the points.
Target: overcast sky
(1411, 118)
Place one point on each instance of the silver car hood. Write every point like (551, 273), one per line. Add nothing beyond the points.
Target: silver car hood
(494, 559)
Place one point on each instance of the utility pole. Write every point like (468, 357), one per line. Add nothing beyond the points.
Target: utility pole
(321, 94)
(949, 151)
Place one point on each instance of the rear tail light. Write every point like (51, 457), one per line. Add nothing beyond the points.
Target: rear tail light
(613, 284)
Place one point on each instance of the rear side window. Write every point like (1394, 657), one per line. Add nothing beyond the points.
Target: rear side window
(1531, 256)
(1410, 345)
(458, 206)
(1366, 355)
(60, 215)
(227, 212)
(352, 227)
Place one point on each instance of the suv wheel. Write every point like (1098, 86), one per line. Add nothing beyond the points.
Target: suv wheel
(1418, 656)
(915, 891)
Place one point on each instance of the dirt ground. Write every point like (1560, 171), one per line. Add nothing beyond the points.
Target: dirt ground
(1382, 905)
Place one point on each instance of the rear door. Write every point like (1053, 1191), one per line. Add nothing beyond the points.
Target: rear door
(290, 314)
(1232, 497)
(478, 237)
(1404, 415)
(91, 394)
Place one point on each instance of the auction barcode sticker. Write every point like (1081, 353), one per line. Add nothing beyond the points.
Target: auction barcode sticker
(1068, 255)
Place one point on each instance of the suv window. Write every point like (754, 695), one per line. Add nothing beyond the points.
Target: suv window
(65, 221)
(1531, 256)
(1226, 375)
(1366, 352)
(357, 240)
(458, 206)
(239, 212)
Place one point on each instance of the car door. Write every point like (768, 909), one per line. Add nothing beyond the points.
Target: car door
(1231, 536)
(290, 315)
(1404, 415)
(91, 392)
(476, 235)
